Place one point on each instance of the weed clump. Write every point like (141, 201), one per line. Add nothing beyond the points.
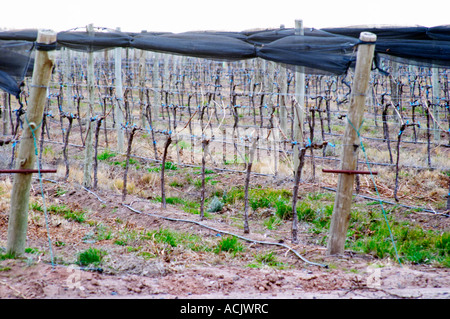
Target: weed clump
(63, 210)
(105, 155)
(229, 244)
(258, 197)
(369, 233)
(215, 205)
(91, 256)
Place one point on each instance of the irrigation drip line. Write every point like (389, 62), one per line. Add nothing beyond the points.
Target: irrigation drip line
(228, 233)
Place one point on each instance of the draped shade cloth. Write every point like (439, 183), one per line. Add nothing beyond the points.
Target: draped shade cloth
(324, 51)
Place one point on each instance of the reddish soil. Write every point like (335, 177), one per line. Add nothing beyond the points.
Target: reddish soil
(188, 274)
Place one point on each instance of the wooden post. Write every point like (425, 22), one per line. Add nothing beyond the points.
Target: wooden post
(282, 82)
(163, 167)
(89, 146)
(298, 172)
(141, 74)
(247, 184)
(205, 145)
(300, 105)
(351, 145)
(67, 78)
(156, 89)
(127, 163)
(436, 89)
(394, 84)
(119, 97)
(18, 219)
(5, 114)
(271, 105)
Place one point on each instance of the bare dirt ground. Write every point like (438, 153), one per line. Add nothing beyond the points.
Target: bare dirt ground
(186, 274)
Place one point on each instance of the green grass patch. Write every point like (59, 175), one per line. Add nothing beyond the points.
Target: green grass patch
(174, 200)
(167, 166)
(207, 172)
(267, 259)
(63, 210)
(67, 213)
(123, 164)
(36, 207)
(91, 256)
(105, 155)
(172, 239)
(208, 179)
(126, 236)
(369, 233)
(176, 184)
(257, 197)
(7, 256)
(188, 206)
(230, 244)
(31, 250)
(170, 166)
(273, 222)
(60, 192)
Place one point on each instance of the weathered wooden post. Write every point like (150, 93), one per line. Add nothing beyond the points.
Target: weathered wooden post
(395, 97)
(89, 142)
(141, 75)
(5, 114)
(18, 219)
(156, 88)
(118, 112)
(351, 145)
(282, 82)
(67, 78)
(247, 184)
(436, 89)
(300, 105)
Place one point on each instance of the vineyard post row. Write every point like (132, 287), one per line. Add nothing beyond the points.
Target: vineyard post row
(119, 100)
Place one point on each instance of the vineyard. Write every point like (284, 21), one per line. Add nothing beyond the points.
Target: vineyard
(155, 165)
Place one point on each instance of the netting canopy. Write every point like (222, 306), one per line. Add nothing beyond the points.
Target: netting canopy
(324, 51)
(14, 65)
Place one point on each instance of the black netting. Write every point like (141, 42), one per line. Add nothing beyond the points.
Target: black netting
(15, 64)
(319, 54)
(197, 44)
(82, 41)
(383, 32)
(325, 51)
(416, 52)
